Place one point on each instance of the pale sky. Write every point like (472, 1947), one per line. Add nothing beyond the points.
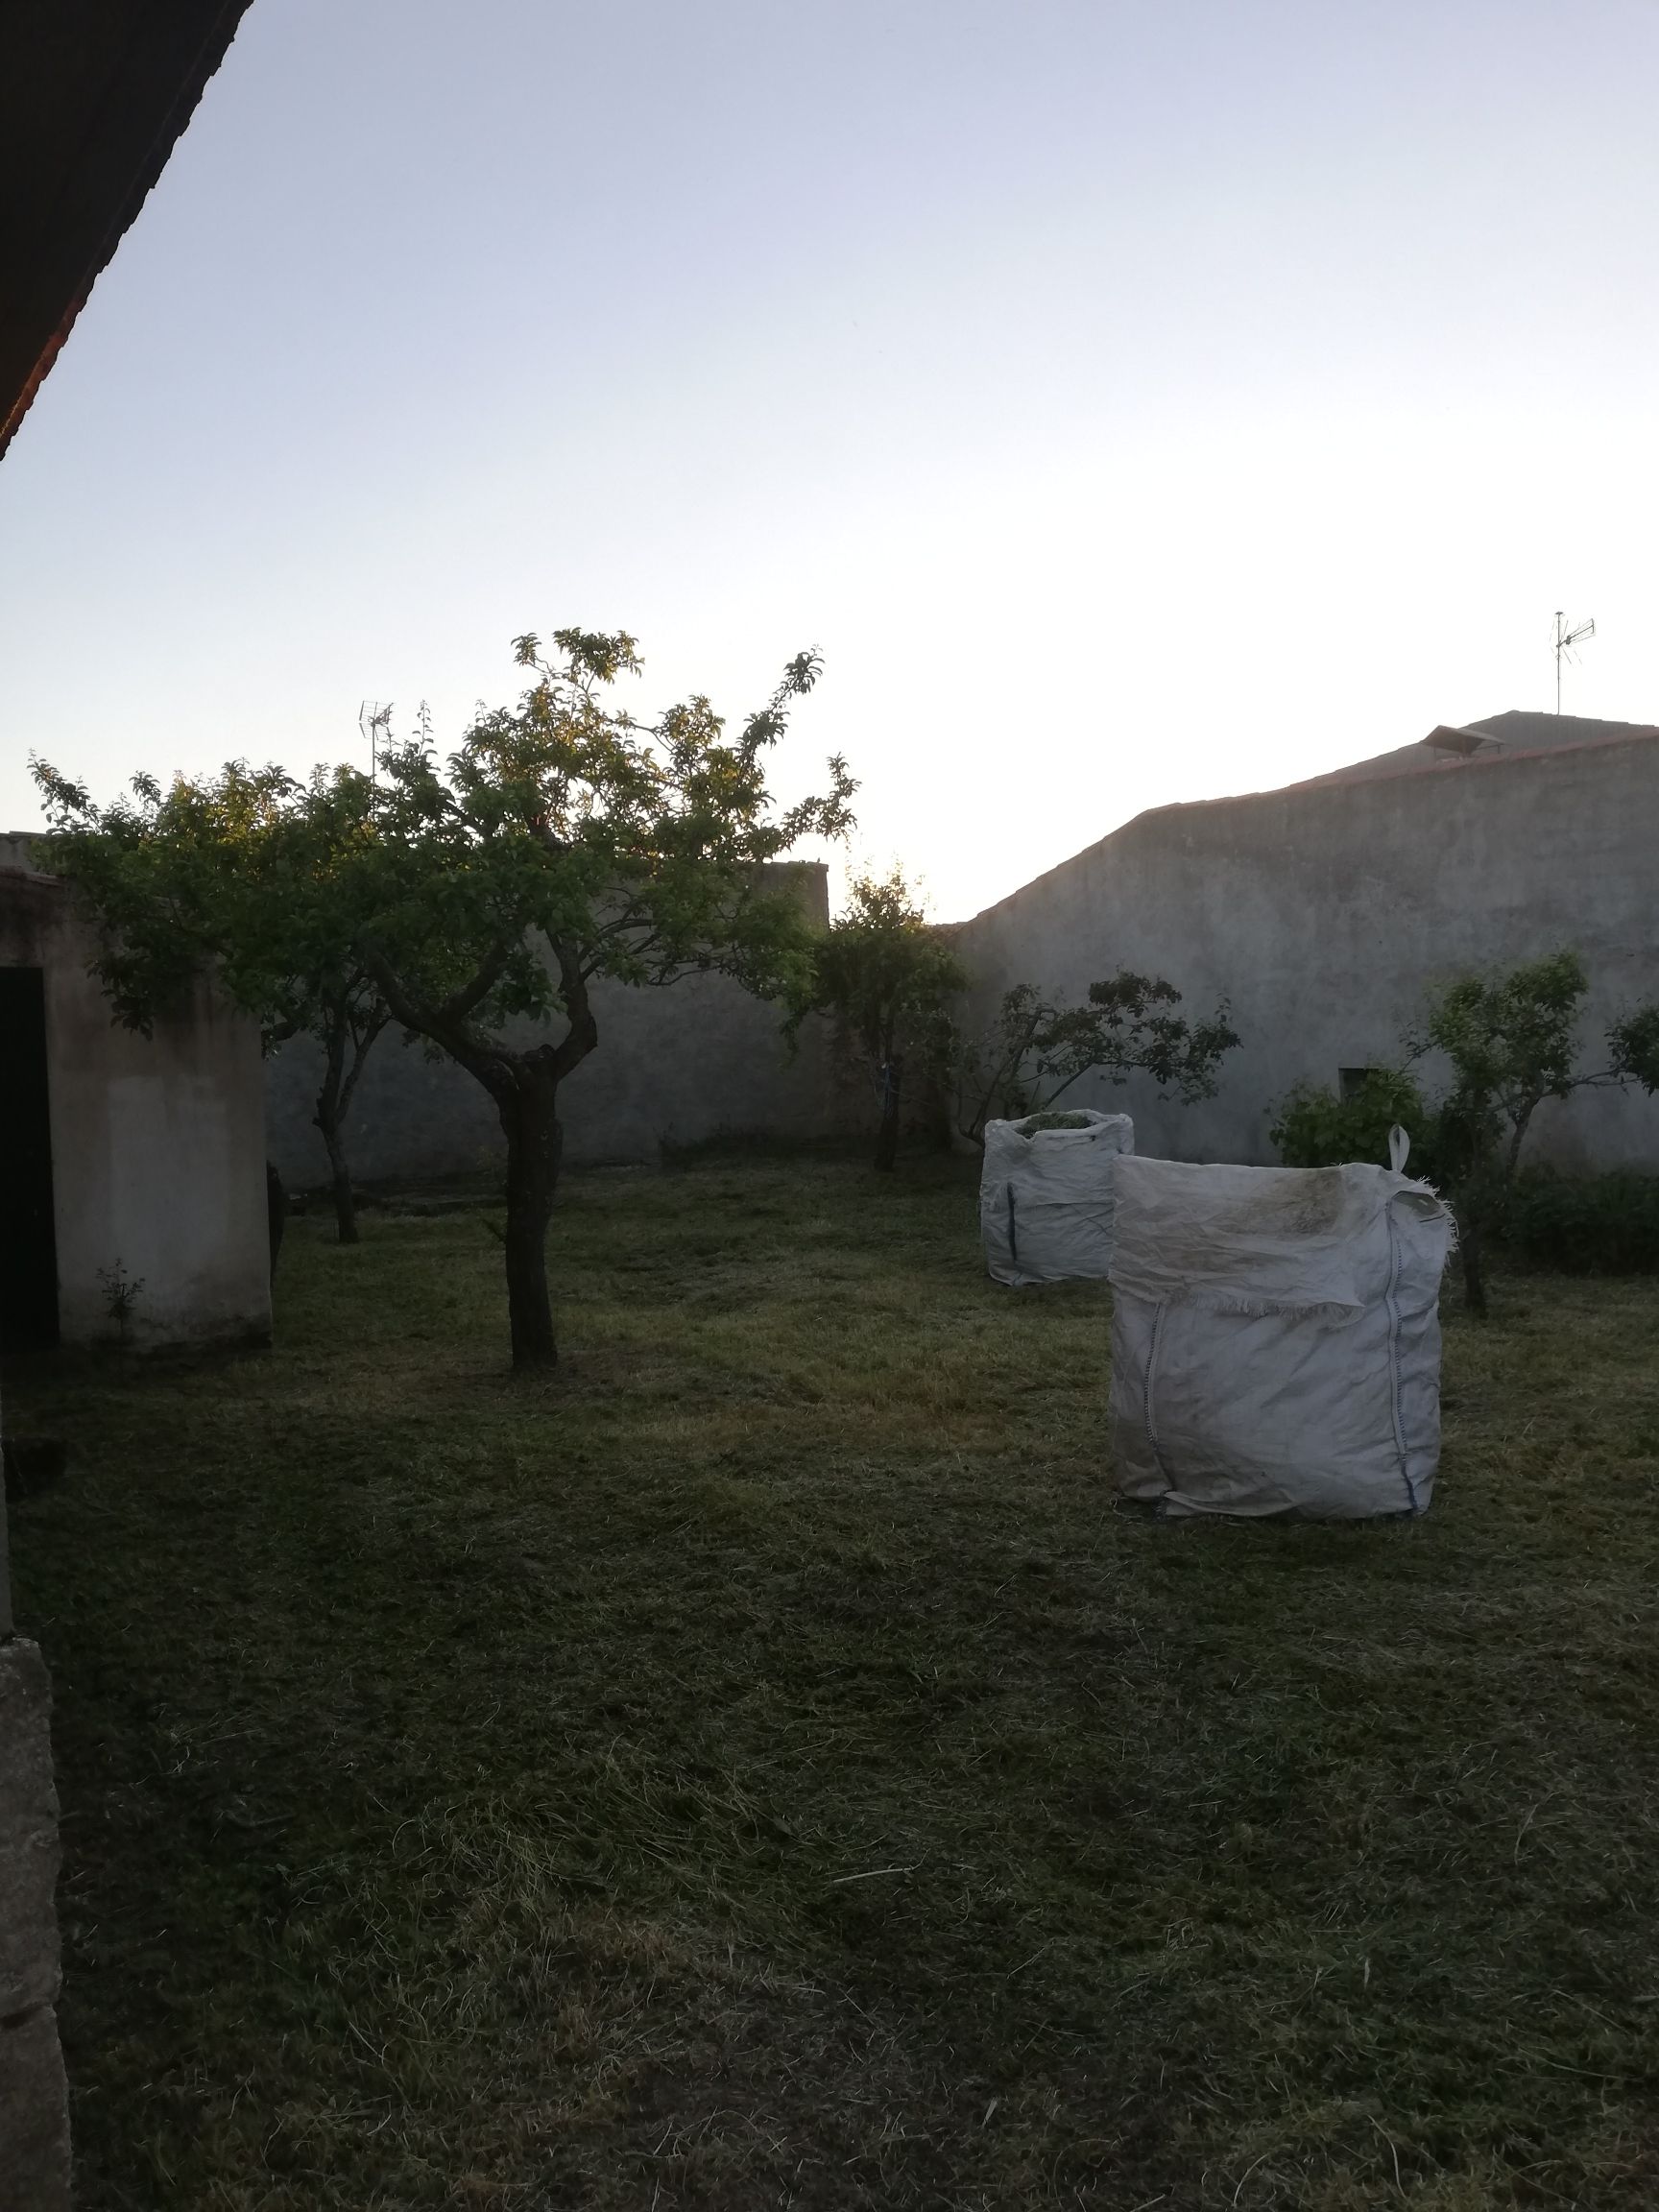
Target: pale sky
(1135, 402)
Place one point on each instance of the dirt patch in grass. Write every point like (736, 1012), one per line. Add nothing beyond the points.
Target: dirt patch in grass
(759, 1767)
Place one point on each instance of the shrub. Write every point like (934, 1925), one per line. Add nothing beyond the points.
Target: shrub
(1040, 1045)
(1511, 1041)
(1584, 1224)
(1314, 1127)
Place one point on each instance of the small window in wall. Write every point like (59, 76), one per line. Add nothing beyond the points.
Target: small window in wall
(28, 1236)
(1351, 1081)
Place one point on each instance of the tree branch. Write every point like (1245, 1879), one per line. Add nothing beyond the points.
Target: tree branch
(457, 1007)
(361, 1040)
(487, 1065)
(583, 1034)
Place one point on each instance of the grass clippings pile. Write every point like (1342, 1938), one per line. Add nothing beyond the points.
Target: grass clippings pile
(757, 1767)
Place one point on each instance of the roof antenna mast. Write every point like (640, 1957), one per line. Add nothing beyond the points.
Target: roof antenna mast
(374, 720)
(1565, 639)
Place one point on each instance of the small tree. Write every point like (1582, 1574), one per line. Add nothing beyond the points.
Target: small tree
(1316, 1127)
(886, 976)
(1039, 1046)
(564, 842)
(1512, 1041)
(242, 874)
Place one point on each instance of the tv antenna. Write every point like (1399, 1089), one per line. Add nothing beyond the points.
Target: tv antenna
(374, 720)
(1565, 638)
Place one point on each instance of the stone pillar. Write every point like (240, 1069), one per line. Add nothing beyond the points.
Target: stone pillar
(34, 2108)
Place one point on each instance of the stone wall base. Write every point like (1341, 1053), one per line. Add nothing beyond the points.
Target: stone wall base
(33, 2116)
(33, 2107)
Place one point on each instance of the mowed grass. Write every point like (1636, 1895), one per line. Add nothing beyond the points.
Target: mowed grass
(759, 1765)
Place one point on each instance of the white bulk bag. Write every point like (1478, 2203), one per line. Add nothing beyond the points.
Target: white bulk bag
(1276, 1338)
(1045, 1196)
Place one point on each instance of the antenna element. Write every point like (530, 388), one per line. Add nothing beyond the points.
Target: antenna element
(1565, 638)
(374, 720)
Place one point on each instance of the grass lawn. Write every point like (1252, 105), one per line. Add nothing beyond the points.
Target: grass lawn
(759, 1767)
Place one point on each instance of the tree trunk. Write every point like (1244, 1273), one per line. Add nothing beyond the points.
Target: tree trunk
(940, 1121)
(1469, 1250)
(525, 1089)
(344, 1205)
(275, 1211)
(887, 1136)
(534, 1141)
(330, 1113)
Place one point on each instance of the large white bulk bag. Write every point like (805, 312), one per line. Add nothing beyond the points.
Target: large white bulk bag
(1046, 1195)
(1276, 1338)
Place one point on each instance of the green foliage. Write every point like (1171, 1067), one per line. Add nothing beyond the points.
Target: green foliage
(1315, 1127)
(241, 872)
(635, 850)
(248, 873)
(1038, 1045)
(432, 895)
(245, 873)
(884, 971)
(1635, 1047)
(887, 975)
(1584, 1224)
(564, 826)
(1512, 1042)
(122, 1293)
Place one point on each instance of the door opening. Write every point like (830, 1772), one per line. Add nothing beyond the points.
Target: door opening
(28, 1233)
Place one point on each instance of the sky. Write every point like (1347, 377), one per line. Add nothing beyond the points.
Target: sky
(1134, 403)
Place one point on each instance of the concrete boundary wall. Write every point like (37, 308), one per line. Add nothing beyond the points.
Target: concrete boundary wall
(676, 1065)
(699, 1059)
(1323, 912)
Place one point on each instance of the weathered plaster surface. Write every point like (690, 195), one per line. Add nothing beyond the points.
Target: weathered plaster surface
(1323, 914)
(676, 1066)
(157, 1142)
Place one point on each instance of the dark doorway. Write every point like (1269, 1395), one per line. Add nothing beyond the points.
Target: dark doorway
(27, 1239)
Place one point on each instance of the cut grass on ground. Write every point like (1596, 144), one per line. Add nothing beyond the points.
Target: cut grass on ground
(759, 1767)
